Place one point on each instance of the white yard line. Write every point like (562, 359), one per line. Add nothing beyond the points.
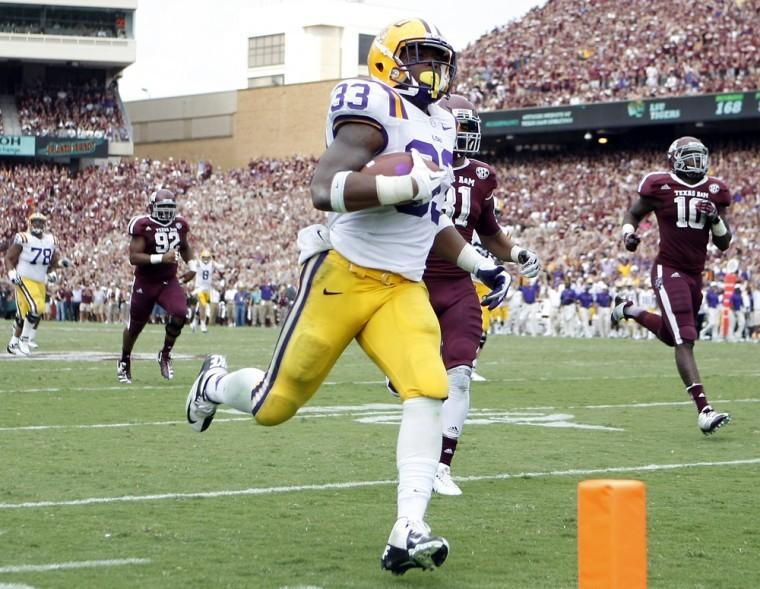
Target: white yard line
(360, 484)
(348, 411)
(123, 387)
(64, 566)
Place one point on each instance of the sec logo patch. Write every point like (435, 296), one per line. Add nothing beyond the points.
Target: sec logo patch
(713, 188)
(482, 172)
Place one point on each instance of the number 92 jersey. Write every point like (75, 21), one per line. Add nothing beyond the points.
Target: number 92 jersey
(396, 239)
(36, 255)
(159, 239)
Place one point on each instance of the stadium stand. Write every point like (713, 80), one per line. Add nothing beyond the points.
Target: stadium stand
(566, 206)
(80, 112)
(571, 52)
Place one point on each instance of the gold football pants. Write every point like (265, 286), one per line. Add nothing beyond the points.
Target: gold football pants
(338, 301)
(30, 297)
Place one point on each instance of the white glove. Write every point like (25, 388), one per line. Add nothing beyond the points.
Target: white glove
(529, 263)
(13, 276)
(65, 262)
(429, 183)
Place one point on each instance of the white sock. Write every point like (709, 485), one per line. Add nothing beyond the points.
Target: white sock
(27, 332)
(14, 340)
(234, 389)
(417, 454)
(456, 407)
(632, 310)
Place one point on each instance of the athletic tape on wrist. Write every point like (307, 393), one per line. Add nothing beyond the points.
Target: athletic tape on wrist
(719, 229)
(156, 258)
(337, 202)
(392, 190)
(628, 229)
(514, 253)
(469, 259)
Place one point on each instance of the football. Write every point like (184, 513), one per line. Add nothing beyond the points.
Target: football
(394, 164)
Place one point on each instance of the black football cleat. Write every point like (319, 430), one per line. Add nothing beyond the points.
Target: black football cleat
(423, 551)
(165, 364)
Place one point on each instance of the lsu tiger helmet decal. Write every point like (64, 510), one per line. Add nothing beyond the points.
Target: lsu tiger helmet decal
(414, 58)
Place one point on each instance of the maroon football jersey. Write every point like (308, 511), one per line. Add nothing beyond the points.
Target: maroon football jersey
(470, 205)
(684, 231)
(159, 239)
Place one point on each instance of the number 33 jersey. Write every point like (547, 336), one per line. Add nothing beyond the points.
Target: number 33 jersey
(684, 231)
(396, 239)
(36, 254)
(159, 239)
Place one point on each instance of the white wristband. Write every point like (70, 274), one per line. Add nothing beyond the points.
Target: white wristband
(628, 229)
(514, 253)
(719, 229)
(392, 190)
(156, 258)
(469, 259)
(337, 202)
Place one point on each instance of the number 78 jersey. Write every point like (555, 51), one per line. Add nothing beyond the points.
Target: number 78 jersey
(159, 239)
(36, 255)
(396, 239)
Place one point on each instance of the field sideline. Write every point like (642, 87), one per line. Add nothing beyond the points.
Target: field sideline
(105, 485)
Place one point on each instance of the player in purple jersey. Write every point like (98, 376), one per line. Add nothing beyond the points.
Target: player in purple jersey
(156, 243)
(689, 206)
(470, 204)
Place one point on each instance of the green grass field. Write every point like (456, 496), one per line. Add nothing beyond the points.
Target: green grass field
(104, 485)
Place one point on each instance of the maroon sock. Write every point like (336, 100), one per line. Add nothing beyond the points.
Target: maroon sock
(651, 321)
(447, 450)
(167, 349)
(697, 392)
(125, 357)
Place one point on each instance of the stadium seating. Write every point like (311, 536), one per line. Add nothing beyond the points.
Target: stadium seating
(80, 112)
(570, 52)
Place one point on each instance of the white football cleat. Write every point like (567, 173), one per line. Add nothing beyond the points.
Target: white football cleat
(204, 329)
(199, 409)
(475, 377)
(421, 550)
(710, 420)
(33, 345)
(442, 484)
(23, 345)
(15, 349)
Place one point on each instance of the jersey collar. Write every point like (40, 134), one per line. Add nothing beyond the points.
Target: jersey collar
(685, 183)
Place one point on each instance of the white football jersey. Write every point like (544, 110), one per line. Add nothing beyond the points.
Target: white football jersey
(204, 272)
(398, 238)
(36, 255)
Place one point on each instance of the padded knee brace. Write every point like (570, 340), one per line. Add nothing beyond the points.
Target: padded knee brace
(174, 326)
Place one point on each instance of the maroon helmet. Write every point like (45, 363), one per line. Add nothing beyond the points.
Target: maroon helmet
(162, 206)
(688, 157)
(468, 124)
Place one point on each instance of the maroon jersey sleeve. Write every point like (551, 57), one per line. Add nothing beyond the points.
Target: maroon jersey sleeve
(719, 193)
(470, 205)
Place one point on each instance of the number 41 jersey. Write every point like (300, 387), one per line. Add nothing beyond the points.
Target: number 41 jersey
(684, 231)
(396, 239)
(159, 239)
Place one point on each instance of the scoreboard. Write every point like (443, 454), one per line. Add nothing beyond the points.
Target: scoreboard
(631, 113)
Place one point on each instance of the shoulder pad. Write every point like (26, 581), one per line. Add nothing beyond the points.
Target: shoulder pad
(365, 101)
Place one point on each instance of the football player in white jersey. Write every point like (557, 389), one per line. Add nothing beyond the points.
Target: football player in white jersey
(204, 276)
(33, 254)
(362, 277)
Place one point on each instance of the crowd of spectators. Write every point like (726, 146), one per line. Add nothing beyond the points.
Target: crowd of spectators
(566, 206)
(582, 51)
(83, 111)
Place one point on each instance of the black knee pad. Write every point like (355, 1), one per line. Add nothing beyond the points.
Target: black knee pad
(174, 326)
(34, 319)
